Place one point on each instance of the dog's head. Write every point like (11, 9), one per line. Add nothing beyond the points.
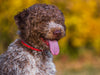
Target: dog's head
(40, 21)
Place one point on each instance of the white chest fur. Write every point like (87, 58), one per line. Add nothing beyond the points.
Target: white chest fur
(40, 66)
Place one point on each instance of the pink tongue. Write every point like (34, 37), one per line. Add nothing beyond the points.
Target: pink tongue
(54, 47)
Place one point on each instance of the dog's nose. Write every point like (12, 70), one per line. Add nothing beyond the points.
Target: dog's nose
(57, 32)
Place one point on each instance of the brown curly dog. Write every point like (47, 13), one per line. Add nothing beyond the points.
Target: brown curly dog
(40, 27)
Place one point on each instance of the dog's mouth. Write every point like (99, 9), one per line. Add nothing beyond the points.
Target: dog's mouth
(53, 44)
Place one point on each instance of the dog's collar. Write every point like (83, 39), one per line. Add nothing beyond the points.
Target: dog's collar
(28, 46)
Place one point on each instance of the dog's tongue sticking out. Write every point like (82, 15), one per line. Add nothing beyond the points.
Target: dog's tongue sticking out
(54, 47)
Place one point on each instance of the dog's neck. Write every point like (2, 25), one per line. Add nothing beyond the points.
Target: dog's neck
(44, 54)
(37, 43)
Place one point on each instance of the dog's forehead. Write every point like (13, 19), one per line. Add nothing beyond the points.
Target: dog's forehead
(52, 24)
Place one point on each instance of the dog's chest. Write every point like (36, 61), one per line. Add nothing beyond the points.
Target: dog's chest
(40, 66)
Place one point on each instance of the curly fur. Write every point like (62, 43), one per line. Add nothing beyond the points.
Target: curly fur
(39, 20)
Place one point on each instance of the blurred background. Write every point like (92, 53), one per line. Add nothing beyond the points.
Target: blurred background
(79, 50)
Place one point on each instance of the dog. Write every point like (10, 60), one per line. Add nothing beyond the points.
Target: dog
(40, 27)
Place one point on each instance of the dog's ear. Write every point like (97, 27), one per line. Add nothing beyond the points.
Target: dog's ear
(21, 17)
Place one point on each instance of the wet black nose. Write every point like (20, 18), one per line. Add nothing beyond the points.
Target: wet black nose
(57, 32)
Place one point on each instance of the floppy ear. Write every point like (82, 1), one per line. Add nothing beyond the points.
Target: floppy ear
(21, 17)
(21, 21)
